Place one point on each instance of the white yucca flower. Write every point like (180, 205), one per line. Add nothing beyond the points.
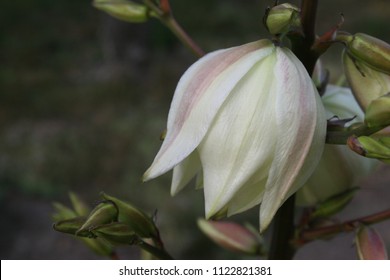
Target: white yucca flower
(250, 122)
(339, 168)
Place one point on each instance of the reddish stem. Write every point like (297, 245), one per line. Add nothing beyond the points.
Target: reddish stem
(316, 233)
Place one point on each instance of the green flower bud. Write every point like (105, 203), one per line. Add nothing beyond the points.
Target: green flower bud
(116, 233)
(71, 226)
(370, 50)
(136, 219)
(282, 18)
(367, 67)
(367, 84)
(334, 204)
(124, 10)
(106, 212)
(370, 245)
(370, 147)
(378, 112)
(231, 236)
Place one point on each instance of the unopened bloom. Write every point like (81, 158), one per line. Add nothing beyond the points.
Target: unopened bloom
(339, 168)
(249, 120)
(367, 67)
(281, 18)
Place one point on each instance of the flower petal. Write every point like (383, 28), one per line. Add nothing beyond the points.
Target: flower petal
(248, 196)
(301, 125)
(184, 172)
(339, 168)
(240, 141)
(198, 97)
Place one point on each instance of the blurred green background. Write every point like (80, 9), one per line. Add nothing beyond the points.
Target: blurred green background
(84, 98)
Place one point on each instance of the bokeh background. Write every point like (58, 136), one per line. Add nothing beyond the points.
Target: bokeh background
(84, 98)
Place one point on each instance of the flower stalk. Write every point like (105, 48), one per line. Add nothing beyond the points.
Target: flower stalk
(302, 43)
(347, 226)
(281, 247)
(159, 253)
(164, 14)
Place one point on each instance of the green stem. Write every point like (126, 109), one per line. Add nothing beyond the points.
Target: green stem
(341, 137)
(159, 253)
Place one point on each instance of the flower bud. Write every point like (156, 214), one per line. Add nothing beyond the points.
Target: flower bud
(334, 204)
(116, 233)
(71, 226)
(367, 67)
(124, 10)
(371, 51)
(370, 147)
(231, 236)
(370, 245)
(378, 148)
(282, 18)
(67, 221)
(105, 212)
(136, 219)
(378, 112)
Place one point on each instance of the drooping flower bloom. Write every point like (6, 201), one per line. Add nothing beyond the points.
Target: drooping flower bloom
(339, 168)
(250, 122)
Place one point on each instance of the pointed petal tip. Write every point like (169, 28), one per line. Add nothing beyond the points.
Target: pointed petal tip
(152, 172)
(146, 177)
(263, 225)
(174, 192)
(267, 213)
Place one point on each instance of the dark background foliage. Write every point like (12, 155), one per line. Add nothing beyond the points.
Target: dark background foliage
(84, 97)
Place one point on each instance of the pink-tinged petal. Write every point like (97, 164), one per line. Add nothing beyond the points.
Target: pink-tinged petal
(198, 97)
(301, 125)
(231, 236)
(184, 172)
(239, 144)
(339, 168)
(370, 245)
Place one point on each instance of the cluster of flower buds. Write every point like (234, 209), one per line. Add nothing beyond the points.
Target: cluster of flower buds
(69, 221)
(112, 222)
